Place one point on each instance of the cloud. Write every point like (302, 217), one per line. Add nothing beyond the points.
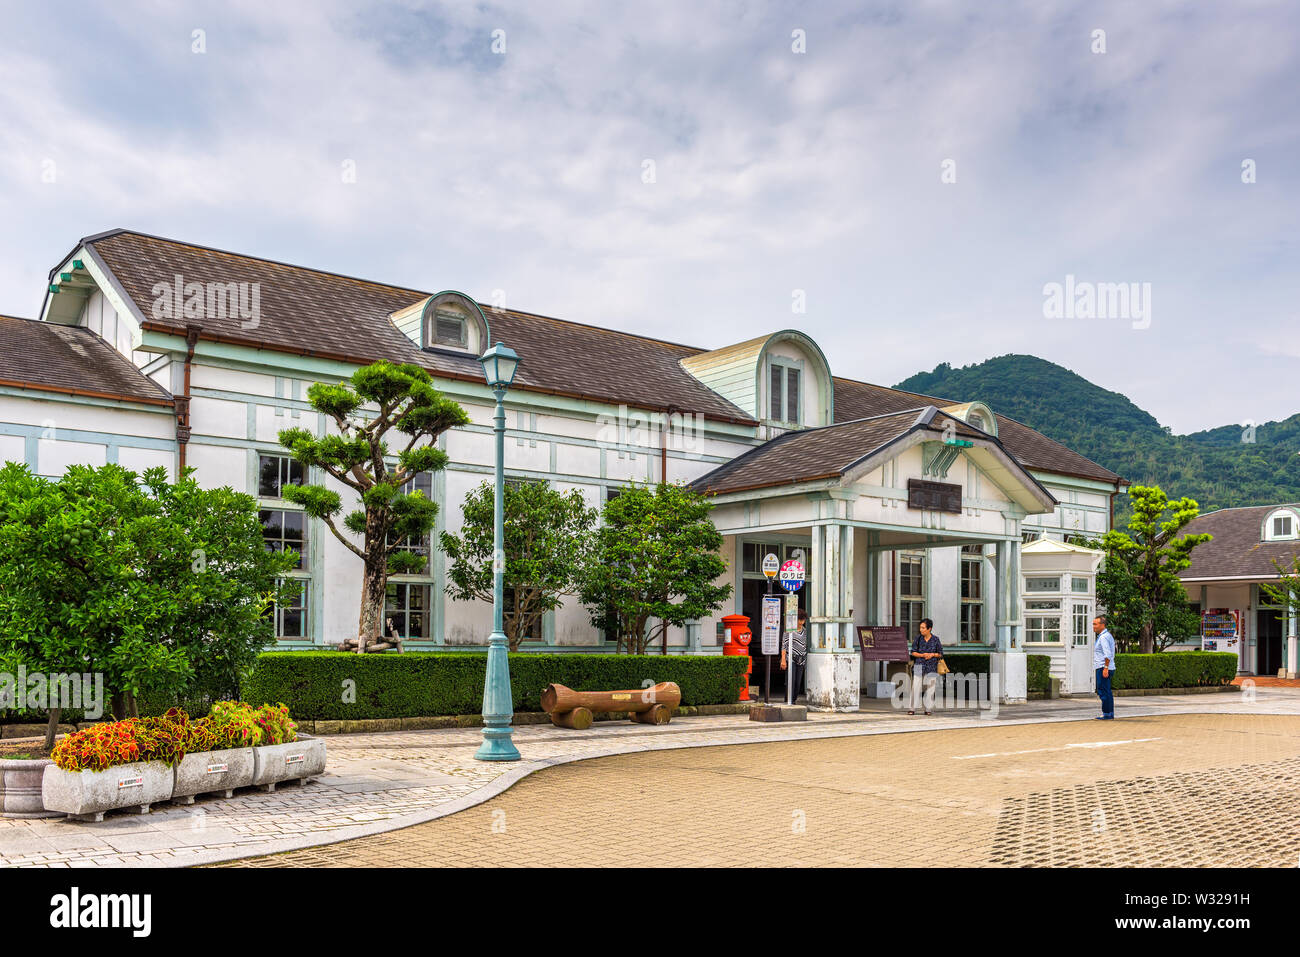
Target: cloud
(773, 170)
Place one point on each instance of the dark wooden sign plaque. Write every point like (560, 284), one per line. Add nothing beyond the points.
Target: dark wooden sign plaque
(939, 496)
(882, 643)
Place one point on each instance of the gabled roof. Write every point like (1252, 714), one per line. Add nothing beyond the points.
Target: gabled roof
(837, 452)
(54, 358)
(1047, 546)
(1033, 449)
(1236, 550)
(310, 312)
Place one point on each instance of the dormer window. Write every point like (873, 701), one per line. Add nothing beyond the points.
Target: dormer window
(977, 421)
(450, 328)
(1281, 525)
(450, 320)
(784, 390)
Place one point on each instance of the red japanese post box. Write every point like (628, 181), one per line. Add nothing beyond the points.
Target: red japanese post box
(735, 641)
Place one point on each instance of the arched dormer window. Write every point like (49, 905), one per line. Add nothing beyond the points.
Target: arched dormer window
(1281, 525)
(448, 322)
(977, 415)
(452, 320)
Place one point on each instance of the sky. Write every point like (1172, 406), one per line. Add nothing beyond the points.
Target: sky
(902, 181)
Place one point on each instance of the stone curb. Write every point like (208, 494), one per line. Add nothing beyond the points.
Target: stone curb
(1200, 689)
(438, 722)
(757, 735)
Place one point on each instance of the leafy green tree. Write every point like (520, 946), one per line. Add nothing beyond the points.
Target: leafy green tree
(1145, 601)
(546, 537)
(1286, 590)
(160, 588)
(655, 559)
(415, 413)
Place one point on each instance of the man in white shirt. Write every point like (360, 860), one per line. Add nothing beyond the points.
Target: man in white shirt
(1103, 660)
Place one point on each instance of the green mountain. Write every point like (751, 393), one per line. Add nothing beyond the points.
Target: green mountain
(1219, 467)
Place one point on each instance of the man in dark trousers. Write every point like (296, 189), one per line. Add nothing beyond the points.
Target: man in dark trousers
(1103, 660)
(799, 652)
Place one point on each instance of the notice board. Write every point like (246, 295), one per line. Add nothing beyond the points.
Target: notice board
(882, 643)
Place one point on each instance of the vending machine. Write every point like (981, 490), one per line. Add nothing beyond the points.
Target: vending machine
(1221, 631)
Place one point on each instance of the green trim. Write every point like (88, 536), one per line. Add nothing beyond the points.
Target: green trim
(258, 361)
(116, 405)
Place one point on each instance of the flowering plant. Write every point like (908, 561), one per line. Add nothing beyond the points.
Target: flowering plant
(231, 724)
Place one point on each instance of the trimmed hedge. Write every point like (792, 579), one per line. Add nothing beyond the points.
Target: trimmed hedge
(421, 684)
(1174, 669)
(1037, 667)
(1039, 672)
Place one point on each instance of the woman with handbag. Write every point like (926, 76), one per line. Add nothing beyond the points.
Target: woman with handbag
(927, 654)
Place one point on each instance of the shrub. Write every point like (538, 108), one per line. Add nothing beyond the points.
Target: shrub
(416, 684)
(1174, 669)
(1037, 667)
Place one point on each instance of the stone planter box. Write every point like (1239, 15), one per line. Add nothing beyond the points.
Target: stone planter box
(207, 771)
(86, 795)
(295, 761)
(20, 787)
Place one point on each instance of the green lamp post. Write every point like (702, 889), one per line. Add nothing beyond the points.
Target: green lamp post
(499, 365)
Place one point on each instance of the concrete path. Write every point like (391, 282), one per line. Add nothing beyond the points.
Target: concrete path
(381, 782)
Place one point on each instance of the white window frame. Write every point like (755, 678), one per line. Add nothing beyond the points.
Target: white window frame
(787, 366)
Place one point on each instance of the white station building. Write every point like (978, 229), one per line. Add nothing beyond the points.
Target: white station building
(150, 351)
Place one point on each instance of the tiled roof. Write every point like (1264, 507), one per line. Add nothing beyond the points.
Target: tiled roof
(808, 455)
(310, 312)
(319, 313)
(1236, 550)
(1032, 449)
(56, 358)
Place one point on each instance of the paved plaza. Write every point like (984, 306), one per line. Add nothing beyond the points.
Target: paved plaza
(378, 783)
(1163, 791)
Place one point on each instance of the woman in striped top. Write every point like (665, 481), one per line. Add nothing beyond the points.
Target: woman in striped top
(799, 652)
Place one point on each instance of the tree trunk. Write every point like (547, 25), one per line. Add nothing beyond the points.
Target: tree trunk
(132, 706)
(118, 706)
(373, 585)
(1148, 637)
(53, 727)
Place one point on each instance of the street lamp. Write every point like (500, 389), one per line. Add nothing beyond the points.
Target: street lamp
(499, 365)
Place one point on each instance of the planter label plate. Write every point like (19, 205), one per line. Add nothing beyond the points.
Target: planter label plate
(294, 758)
(217, 768)
(131, 782)
(623, 696)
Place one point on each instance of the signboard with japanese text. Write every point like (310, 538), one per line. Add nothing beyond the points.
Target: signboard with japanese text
(939, 496)
(771, 624)
(882, 643)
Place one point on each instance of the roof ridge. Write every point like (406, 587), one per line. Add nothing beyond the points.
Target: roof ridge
(589, 325)
(108, 234)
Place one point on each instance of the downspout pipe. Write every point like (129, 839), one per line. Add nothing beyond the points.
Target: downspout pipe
(183, 400)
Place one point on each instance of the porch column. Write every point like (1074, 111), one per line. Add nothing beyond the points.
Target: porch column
(833, 667)
(1293, 638)
(1008, 662)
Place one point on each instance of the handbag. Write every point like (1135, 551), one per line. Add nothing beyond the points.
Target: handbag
(943, 666)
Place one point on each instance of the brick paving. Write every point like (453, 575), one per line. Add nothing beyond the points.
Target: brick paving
(381, 782)
(1172, 790)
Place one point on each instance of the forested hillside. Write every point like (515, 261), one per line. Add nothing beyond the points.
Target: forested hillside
(1215, 467)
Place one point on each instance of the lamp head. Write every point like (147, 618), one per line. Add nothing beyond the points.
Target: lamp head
(499, 365)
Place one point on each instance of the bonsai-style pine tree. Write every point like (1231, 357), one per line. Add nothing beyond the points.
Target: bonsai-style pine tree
(1139, 582)
(655, 559)
(546, 535)
(408, 406)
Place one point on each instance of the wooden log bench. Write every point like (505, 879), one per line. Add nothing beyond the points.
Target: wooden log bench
(574, 709)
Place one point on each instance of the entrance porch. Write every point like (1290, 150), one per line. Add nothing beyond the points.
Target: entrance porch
(855, 494)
